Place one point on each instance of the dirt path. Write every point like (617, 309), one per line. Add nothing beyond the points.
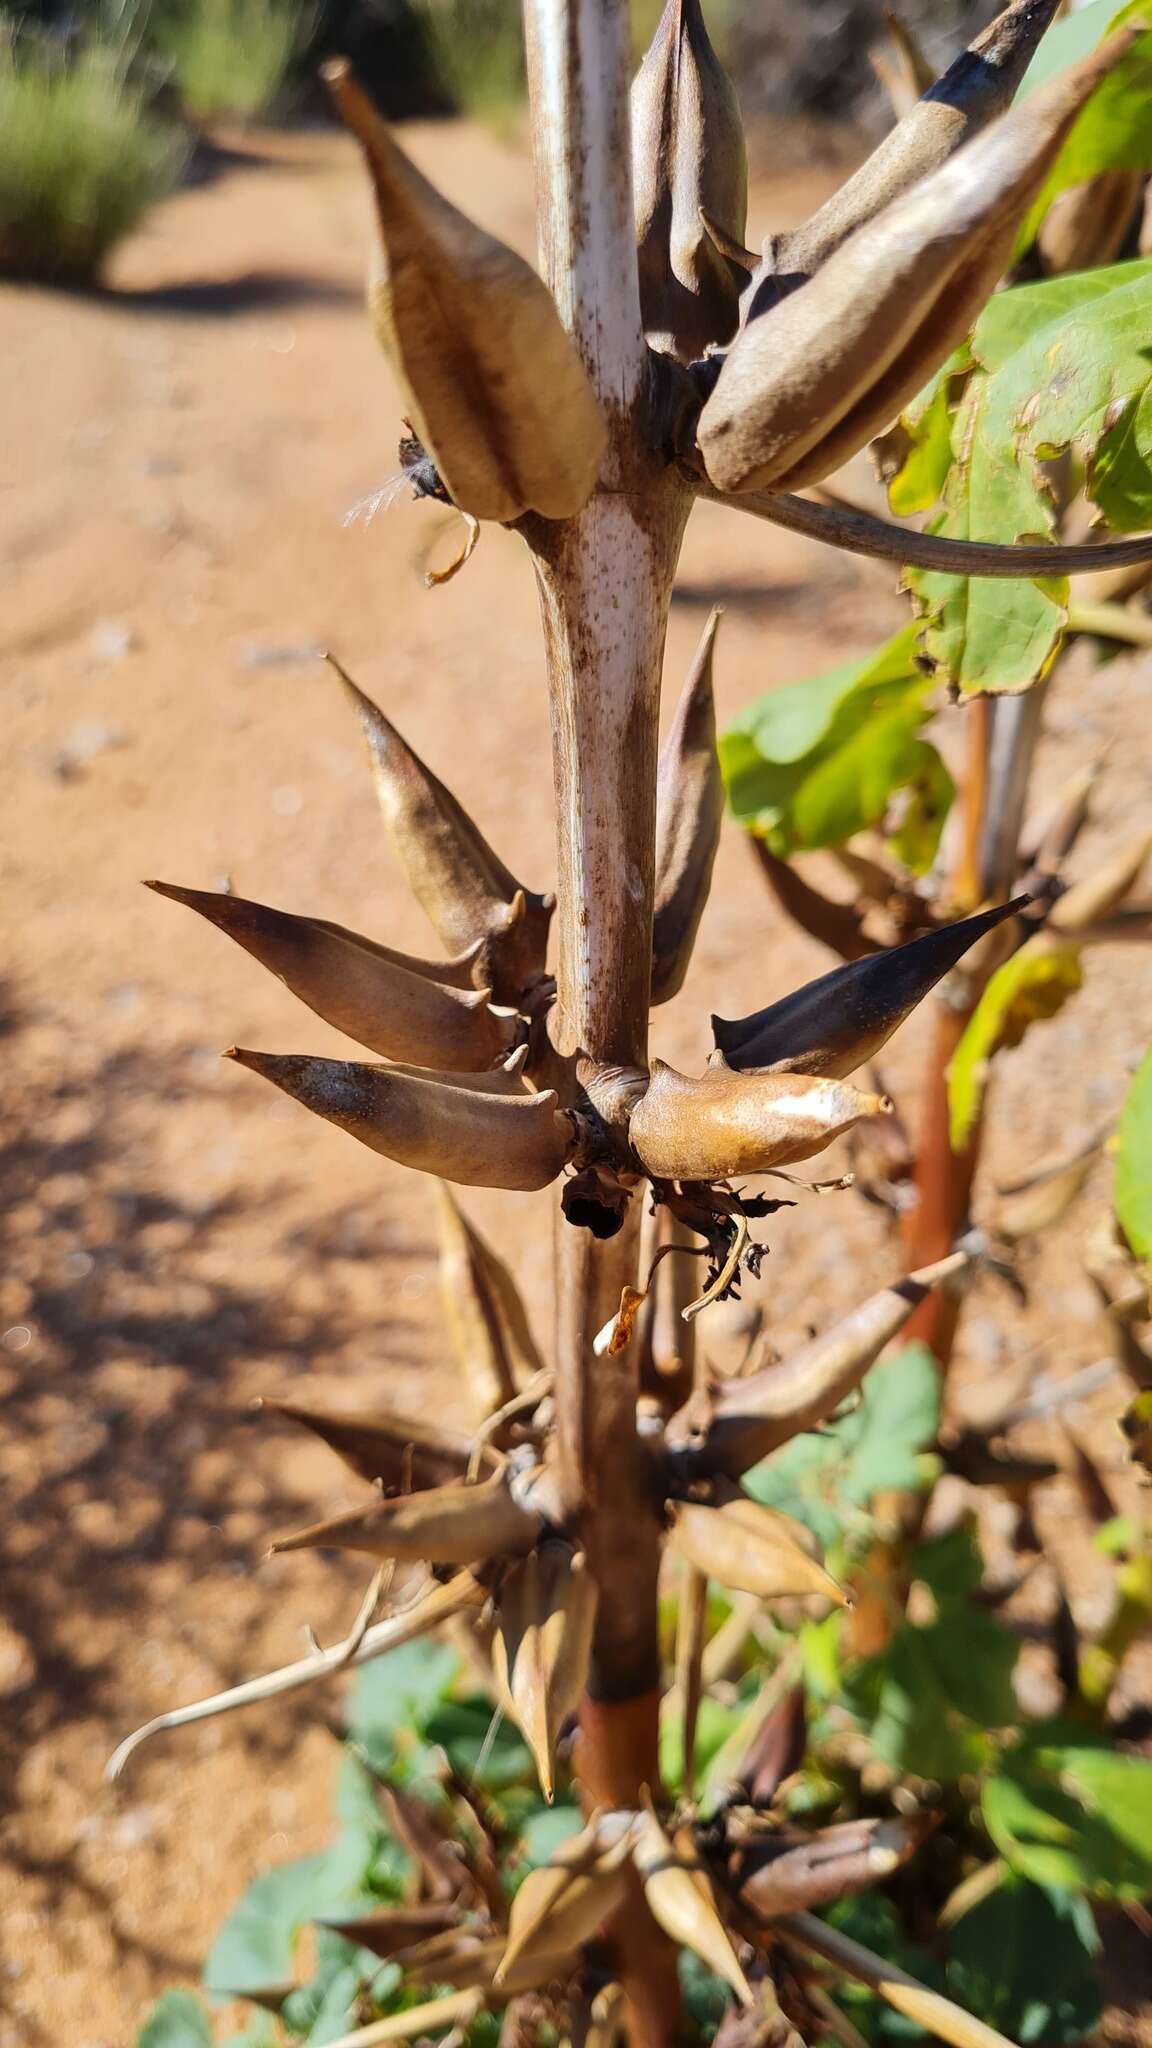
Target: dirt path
(176, 461)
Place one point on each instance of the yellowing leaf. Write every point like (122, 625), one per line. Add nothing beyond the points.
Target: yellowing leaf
(1027, 990)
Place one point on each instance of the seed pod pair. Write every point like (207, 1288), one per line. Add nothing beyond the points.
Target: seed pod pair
(544, 1621)
(835, 1024)
(561, 1904)
(681, 1900)
(689, 808)
(490, 1331)
(750, 1549)
(810, 380)
(688, 164)
(726, 1123)
(455, 1524)
(393, 1005)
(477, 906)
(495, 388)
(468, 1135)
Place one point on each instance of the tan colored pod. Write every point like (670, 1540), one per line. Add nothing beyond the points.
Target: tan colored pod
(345, 980)
(726, 1123)
(1085, 226)
(1074, 913)
(455, 1524)
(486, 1317)
(688, 159)
(750, 1549)
(689, 808)
(545, 1615)
(393, 1450)
(475, 903)
(809, 381)
(680, 1897)
(462, 1134)
(496, 390)
(561, 1904)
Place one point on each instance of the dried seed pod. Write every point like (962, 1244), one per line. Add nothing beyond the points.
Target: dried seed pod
(825, 1866)
(752, 1417)
(680, 1898)
(489, 1325)
(808, 382)
(1098, 894)
(977, 87)
(840, 926)
(358, 988)
(560, 1905)
(466, 1135)
(454, 1524)
(833, 1025)
(465, 1958)
(689, 807)
(688, 158)
(1085, 226)
(471, 897)
(544, 1621)
(726, 1123)
(391, 1449)
(750, 1549)
(495, 387)
(392, 1928)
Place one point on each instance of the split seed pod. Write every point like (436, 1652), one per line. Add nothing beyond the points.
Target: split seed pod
(977, 87)
(362, 990)
(726, 1123)
(455, 1524)
(490, 1332)
(495, 387)
(689, 808)
(835, 1024)
(750, 1549)
(688, 159)
(466, 1135)
(681, 1900)
(809, 381)
(543, 1640)
(752, 1417)
(561, 1904)
(470, 896)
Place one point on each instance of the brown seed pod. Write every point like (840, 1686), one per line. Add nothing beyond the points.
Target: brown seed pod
(391, 1449)
(472, 899)
(350, 983)
(680, 1898)
(833, 1025)
(830, 1863)
(689, 808)
(454, 1524)
(482, 1306)
(726, 1123)
(809, 381)
(560, 1905)
(1086, 225)
(750, 1549)
(688, 159)
(493, 382)
(752, 1417)
(544, 1620)
(463, 1134)
(1074, 913)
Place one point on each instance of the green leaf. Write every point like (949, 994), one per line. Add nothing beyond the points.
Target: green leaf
(254, 1951)
(1133, 1195)
(545, 1829)
(1074, 1816)
(1114, 130)
(813, 763)
(873, 1919)
(488, 1752)
(1028, 989)
(396, 1694)
(951, 1566)
(178, 2020)
(1024, 1961)
(934, 1694)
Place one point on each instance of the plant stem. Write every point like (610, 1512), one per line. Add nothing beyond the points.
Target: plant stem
(605, 580)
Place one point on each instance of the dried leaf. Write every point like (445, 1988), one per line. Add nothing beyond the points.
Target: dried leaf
(807, 383)
(455, 1524)
(753, 1416)
(357, 988)
(689, 807)
(482, 1305)
(688, 158)
(391, 1449)
(496, 389)
(751, 1549)
(545, 1615)
(726, 1123)
(834, 1025)
(465, 1135)
(474, 902)
(680, 1899)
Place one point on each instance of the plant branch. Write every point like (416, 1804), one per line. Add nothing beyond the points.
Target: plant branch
(929, 2009)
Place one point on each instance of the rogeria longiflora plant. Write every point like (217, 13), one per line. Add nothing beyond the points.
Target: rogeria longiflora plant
(655, 360)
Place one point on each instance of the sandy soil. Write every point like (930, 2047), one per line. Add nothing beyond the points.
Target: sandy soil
(176, 460)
